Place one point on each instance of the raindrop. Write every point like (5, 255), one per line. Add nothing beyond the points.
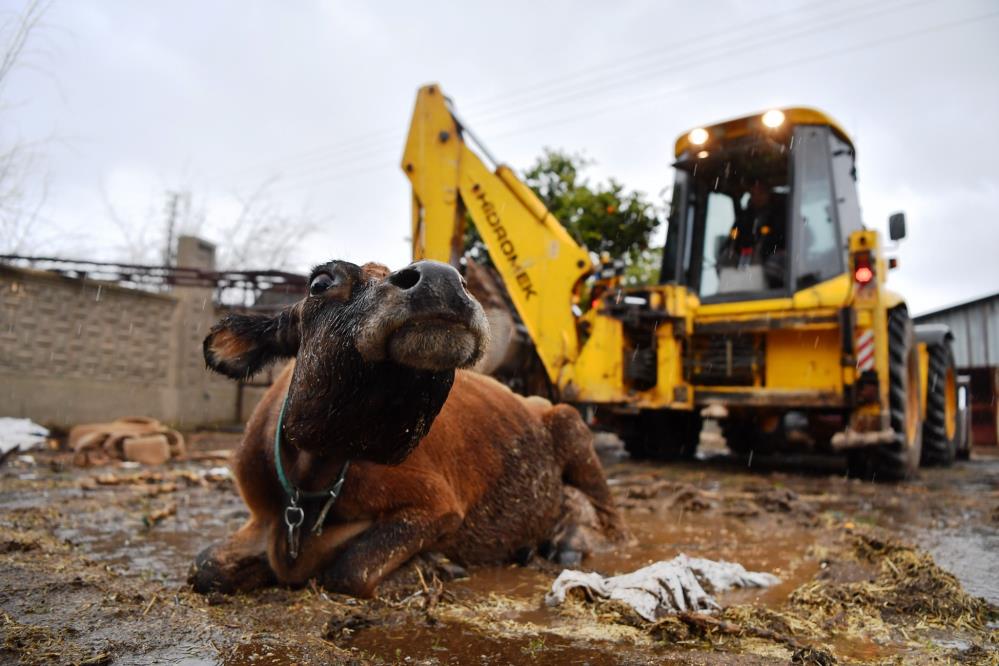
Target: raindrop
(749, 463)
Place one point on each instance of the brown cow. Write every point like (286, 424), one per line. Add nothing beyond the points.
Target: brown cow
(440, 459)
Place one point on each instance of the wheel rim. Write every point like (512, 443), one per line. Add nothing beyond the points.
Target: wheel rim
(911, 402)
(950, 404)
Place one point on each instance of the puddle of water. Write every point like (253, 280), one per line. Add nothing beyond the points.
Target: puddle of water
(183, 654)
(662, 536)
(512, 581)
(458, 644)
(972, 555)
(116, 534)
(859, 649)
(258, 655)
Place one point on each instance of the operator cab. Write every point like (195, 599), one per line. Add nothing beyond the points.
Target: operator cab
(762, 206)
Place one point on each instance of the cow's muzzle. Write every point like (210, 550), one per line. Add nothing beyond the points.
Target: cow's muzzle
(426, 319)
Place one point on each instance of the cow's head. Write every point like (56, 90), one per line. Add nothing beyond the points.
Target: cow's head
(375, 354)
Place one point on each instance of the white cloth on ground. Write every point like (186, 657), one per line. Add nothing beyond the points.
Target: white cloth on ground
(664, 587)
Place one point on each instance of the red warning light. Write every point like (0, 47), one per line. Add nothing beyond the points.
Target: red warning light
(863, 273)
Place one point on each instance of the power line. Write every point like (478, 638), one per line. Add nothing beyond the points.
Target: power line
(657, 69)
(360, 143)
(592, 72)
(348, 173)
(661, 95)
(338, 162)
(369, 142)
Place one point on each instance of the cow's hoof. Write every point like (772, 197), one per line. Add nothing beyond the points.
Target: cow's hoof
(523, 555)
(206, 576)
(352, 586)
(444, 568)
(451, 571)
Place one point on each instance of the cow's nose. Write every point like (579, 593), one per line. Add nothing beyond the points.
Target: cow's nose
(430, 272)
(407, 278)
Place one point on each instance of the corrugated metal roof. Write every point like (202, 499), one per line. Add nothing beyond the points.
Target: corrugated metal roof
(975, 326)
(961, 304)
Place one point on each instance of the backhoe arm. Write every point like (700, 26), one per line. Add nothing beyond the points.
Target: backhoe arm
(538, 260)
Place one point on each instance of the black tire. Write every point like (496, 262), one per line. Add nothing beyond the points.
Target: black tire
(940, 425)
(661, 434)
(898, 460)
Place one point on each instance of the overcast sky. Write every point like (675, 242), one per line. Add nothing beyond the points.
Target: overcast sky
(217, 98)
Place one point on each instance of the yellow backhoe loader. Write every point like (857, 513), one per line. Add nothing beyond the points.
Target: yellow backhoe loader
(771, 311)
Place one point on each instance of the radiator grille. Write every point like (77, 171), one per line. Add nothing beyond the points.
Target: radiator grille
(724, 359)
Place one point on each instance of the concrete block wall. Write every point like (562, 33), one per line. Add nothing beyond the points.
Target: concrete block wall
(70, 349)
(75, 351)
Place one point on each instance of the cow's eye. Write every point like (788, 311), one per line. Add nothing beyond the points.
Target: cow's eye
(322, 282)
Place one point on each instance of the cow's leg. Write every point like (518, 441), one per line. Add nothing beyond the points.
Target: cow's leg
(237, 564)
(573, 443)
(316, 552)
(385, 546)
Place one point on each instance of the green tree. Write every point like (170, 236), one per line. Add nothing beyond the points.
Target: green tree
(601, 217)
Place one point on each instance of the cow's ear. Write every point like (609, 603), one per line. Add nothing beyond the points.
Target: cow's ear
(241, 345)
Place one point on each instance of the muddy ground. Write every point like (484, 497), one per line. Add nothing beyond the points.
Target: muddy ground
(93, 565)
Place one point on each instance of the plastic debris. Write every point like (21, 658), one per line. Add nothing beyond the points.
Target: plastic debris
(681, 584)
(22, 434)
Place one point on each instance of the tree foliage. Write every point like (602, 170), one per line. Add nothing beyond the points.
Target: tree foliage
(602, 217)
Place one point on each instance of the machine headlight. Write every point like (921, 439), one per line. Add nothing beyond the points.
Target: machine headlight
(698, 137)
(773, 118)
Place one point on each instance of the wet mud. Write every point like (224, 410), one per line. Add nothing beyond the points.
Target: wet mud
(93, 566)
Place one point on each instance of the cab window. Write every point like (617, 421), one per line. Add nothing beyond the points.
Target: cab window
(818, 252)
(728, 228)
(845, 183)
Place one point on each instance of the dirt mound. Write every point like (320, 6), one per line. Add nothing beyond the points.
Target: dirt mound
(910, 584)
(904, 584)
(883, 591)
